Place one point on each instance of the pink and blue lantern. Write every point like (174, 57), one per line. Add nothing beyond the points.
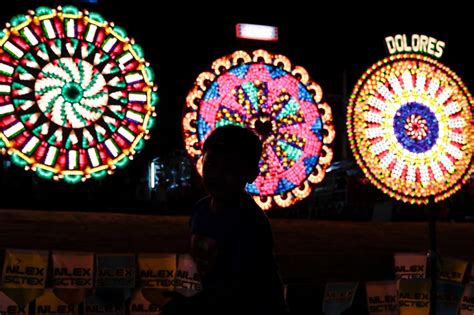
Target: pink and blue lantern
(264, 93)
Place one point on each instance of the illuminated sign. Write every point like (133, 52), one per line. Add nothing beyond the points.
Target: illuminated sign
(256, 32)
(402, 43)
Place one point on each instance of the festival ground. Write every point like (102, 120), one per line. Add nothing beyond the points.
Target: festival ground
(310, 252)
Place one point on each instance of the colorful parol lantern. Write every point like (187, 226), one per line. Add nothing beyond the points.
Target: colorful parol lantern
(409, 123)
(268, 95)
(76, 95)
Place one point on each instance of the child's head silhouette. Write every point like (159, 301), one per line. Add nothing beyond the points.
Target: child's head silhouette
(231, 158)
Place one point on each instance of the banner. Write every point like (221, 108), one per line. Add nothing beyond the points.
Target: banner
(139, 305)
(157, 270)
(466, 307)
(410, 266)
(414, 296)
(72, 276)
(338, 297)
(98, 305)
(115, 270)
(72, 270)
(452, 269)
(187, 278)
(25, 269)
(24, 274)
(382, 297)
(449, 295)
(9, 307)
(49, 304)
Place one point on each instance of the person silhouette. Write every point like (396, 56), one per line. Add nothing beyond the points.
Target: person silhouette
(231, 237)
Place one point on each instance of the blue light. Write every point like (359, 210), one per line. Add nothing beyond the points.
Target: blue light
(412, 145)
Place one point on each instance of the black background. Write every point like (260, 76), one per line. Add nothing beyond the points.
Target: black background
(334, 41)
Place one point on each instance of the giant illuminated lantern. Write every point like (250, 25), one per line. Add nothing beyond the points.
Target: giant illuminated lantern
(409, 123)
(278, 101)
(76, 95)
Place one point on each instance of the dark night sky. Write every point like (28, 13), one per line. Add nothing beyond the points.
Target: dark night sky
(182, 40)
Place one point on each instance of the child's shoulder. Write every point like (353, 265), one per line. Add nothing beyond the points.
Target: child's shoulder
(202, 205)
(200, 209)
(252, 209)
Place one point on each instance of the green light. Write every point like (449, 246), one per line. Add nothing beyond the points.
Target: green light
(72, 179)
(225, 122)
(138, 50)
(96, 17)
(17, 86)
(120, 31)
(44, 173)
(139, 145)
(99, 174)
(69, 9)
(123, 162)
(43, 11)
(85, 143)
(154, 98)
(151, 123)
(150, 74)
(17, 160)
(18, 19)
(72, 92)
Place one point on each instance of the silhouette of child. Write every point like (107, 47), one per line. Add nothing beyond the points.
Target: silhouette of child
(231, 237)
